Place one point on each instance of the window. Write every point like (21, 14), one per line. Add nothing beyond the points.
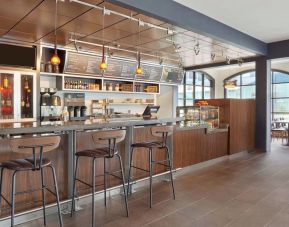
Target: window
(196, 85)
(280, 94)
(246, 86)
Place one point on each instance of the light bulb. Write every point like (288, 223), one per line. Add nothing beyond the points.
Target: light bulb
(55, 60)
(103, 65)
(138, 70)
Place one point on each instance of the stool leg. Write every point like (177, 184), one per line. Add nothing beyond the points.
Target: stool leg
(93, 191)
(13, 198)
(1, 182)
(105, 179)
(151, 176)
(171, 172)
(57, 195)
(43, 195)
(74, 188)
(129, 171)
(123, 184)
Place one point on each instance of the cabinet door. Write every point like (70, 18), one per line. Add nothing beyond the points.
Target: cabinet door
(7, 96)
(28, 95)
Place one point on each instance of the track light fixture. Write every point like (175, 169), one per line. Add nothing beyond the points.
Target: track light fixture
(213, 56)
(240, 61)
(197, 48)
(228, 60)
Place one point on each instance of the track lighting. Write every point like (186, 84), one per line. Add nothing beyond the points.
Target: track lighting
(240, 62)
(213, 56)
(197, 48)
(228, 60)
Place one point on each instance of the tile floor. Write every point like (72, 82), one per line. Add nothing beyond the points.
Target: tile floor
(248, 191)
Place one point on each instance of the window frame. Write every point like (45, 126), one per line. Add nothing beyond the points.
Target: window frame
(193, 84)
(241, 82)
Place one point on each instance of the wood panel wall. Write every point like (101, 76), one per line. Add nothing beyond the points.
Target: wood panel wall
(240, 114)
(193, 146)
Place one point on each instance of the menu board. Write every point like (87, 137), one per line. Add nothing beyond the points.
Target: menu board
(150, 72)
(120, 69)
(172, 75)
(82, 64)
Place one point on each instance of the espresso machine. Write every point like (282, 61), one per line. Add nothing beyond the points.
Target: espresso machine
(50, 105)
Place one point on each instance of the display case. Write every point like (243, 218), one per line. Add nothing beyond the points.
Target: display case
(196, 115)
(16, 96)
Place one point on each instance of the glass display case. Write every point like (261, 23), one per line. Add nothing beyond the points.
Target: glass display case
(17, 92)
(196, 115)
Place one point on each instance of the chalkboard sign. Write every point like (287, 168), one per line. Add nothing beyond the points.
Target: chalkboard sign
(82, 64)
(172, 75)
(120, 69)
(150, 72)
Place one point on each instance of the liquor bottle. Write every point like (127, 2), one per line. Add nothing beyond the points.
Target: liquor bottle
(26, 84)
(5, 82)
(27, 102)
(8, 101)
(22, 102)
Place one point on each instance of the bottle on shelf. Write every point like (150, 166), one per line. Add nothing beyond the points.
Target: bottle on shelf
(27, 102)
(5, 82)
(8, 101)
(26, 84)
(22, 102)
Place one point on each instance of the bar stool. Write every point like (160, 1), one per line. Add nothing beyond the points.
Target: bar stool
(109, 140)
(161, 132)
(37, 146)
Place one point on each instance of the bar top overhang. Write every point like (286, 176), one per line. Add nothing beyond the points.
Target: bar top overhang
(35, 127)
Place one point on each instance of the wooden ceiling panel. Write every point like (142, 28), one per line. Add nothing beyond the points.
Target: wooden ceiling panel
(16, 9)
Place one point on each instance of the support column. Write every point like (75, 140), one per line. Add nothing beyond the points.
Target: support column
(263, 104)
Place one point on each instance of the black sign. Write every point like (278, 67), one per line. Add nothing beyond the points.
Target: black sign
(120, 69)
(172, 75)
(82, 64)
(150, 72)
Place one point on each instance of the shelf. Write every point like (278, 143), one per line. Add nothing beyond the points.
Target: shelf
(129, 103)
(50, 74)
(101, 91)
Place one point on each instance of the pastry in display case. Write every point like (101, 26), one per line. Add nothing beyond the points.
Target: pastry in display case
(196, 115)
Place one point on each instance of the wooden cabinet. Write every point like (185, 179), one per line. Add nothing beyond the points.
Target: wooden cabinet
(192, 146)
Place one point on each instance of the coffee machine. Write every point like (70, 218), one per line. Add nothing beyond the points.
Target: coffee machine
(50, 105)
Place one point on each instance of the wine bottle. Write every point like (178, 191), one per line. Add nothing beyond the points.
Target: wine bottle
(26, 84)
(27, 102)
(22, 102)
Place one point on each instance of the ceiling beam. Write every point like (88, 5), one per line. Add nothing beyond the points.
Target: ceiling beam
(176, 14)
(278, 49)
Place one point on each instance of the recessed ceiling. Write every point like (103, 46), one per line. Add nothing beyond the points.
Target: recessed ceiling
(32, 21)
(264, 20)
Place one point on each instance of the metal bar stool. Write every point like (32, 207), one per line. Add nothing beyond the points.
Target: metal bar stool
(109, 140)
(37, 146)
(158, 131)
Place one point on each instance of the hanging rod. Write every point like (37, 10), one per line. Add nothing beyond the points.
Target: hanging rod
(122, 49)
(130, 17)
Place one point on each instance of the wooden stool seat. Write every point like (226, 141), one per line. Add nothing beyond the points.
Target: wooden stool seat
(24, 164)
(98, 153)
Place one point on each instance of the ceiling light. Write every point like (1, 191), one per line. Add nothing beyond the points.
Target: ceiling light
(230, 85)
(103, 64)
(197, 48)
(228, 60)
(213, 56)
(55, 60)
(138, 70)
(240, 61)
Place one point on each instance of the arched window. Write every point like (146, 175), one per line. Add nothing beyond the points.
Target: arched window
(246, 86)
(196, 85)
(280, 94)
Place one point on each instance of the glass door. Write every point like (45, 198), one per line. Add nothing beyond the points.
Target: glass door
(27, 99)
(6, 96)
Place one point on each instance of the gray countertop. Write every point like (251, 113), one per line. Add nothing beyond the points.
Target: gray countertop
(36, 127)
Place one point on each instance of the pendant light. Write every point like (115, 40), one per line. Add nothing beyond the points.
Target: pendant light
(103, 64)
(230, 84)
(55, 60)
(138, 70)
